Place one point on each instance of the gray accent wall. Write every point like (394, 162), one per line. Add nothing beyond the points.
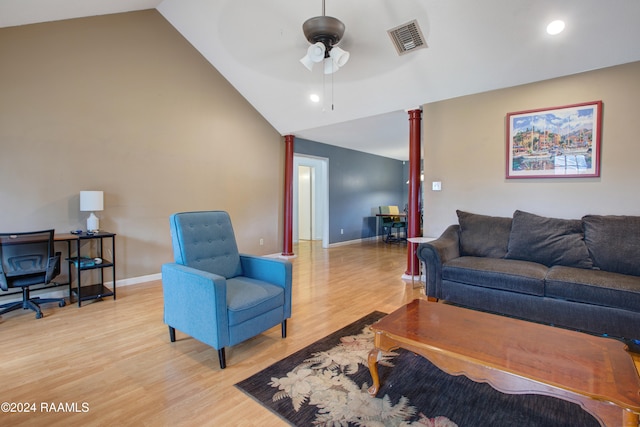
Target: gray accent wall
(358, 184)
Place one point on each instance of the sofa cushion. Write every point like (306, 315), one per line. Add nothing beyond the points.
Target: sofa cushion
(548, 241)
(594, 287)
(509, 275)
(483, 235)
(614, 242)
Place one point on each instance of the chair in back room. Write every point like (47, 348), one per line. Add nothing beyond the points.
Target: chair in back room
(392, 221)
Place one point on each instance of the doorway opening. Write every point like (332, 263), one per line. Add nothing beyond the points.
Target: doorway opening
(310, 199)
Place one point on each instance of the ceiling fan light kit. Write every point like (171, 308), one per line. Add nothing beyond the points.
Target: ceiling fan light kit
(324, 33)
(339, 56)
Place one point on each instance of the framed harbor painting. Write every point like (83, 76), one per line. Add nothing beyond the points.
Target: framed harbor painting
(559, 142)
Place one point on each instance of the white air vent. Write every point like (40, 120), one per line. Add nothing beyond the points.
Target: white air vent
(407, 37)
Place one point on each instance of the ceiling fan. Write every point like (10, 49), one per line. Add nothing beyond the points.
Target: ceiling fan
(324, 33)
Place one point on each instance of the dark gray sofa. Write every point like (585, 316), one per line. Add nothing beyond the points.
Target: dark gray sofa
(582, 274)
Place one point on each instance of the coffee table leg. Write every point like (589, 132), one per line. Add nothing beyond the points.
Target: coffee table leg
(628, 418)
(373, 368)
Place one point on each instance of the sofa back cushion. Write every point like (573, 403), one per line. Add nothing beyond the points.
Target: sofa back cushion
(482, 235)
(548, 241)
(614, 242)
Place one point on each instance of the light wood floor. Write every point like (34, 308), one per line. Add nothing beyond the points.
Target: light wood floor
(116, 355)
(114, 360)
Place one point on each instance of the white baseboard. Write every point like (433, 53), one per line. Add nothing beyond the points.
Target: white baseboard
(62, 290)
(137, 280)
(352, 242)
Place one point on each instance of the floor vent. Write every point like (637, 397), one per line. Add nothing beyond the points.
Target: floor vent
(407, 37)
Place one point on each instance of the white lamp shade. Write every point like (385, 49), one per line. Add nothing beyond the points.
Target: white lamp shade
(330, 66)
(307, 62)
(316, 52)
(91, 201)
(339, 56)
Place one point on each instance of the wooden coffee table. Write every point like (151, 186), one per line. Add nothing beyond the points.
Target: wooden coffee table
(516, 357)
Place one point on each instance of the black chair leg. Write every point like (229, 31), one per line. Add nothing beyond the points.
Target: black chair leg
(6, 308)
(221, 356)
(172, 334)
(284, 328)
(29, 304)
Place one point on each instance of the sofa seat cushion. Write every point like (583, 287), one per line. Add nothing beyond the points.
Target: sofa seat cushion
(594, 287)
(248, 298)
(496, 273)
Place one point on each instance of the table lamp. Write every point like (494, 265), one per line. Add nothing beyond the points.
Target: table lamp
(91, 201)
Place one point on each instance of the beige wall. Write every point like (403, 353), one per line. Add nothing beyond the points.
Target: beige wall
(464, 147)
(124, 104)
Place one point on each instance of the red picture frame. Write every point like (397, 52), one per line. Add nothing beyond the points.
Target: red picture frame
(558, 142)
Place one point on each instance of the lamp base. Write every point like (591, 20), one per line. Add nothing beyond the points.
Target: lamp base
(93, 223)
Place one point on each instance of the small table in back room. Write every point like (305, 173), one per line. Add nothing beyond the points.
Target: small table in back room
(415, 241)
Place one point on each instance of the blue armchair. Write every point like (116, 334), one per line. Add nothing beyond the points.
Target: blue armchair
(213, 293)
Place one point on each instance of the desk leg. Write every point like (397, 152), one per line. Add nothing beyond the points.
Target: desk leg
(373, 368)
(79, 274)
(69, 271)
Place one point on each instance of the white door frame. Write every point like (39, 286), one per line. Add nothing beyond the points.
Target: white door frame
(321, 194)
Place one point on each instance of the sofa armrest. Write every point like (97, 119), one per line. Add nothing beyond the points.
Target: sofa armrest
(437, 252)
(271, 270)
(195, 302)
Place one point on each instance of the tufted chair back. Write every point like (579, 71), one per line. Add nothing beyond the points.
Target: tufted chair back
(205, 241)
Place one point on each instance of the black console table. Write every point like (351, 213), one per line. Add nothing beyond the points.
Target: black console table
(98, 262)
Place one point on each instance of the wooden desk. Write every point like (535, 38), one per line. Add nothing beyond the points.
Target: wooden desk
(392, 215)
(398, 215)
(82, 293)
(516, 356)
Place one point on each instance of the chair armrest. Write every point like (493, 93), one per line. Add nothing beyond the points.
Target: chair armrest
(437, 252)
(53, 267)
(195, 302)
(271, 270)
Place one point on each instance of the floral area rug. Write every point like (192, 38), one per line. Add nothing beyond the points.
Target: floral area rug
(325, 384)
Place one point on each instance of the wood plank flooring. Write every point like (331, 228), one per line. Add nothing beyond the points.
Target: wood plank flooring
(111, 362)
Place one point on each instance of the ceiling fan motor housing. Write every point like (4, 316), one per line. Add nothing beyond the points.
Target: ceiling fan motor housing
(325, 29)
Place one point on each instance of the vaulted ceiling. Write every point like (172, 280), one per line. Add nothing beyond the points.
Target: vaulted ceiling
(472, 47)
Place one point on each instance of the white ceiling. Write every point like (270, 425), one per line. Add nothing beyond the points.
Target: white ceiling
(473, 47)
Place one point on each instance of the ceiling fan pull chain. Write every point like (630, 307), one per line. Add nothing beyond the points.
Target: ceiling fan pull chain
(331, 88)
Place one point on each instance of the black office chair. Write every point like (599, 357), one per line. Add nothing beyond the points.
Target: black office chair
(28, 259)
(390, 223)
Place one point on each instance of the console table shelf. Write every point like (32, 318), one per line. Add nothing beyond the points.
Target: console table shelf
(80, 264)
(92, 292)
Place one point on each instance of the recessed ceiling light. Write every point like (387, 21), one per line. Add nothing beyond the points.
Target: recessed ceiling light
(314, 97)
(555, 27)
